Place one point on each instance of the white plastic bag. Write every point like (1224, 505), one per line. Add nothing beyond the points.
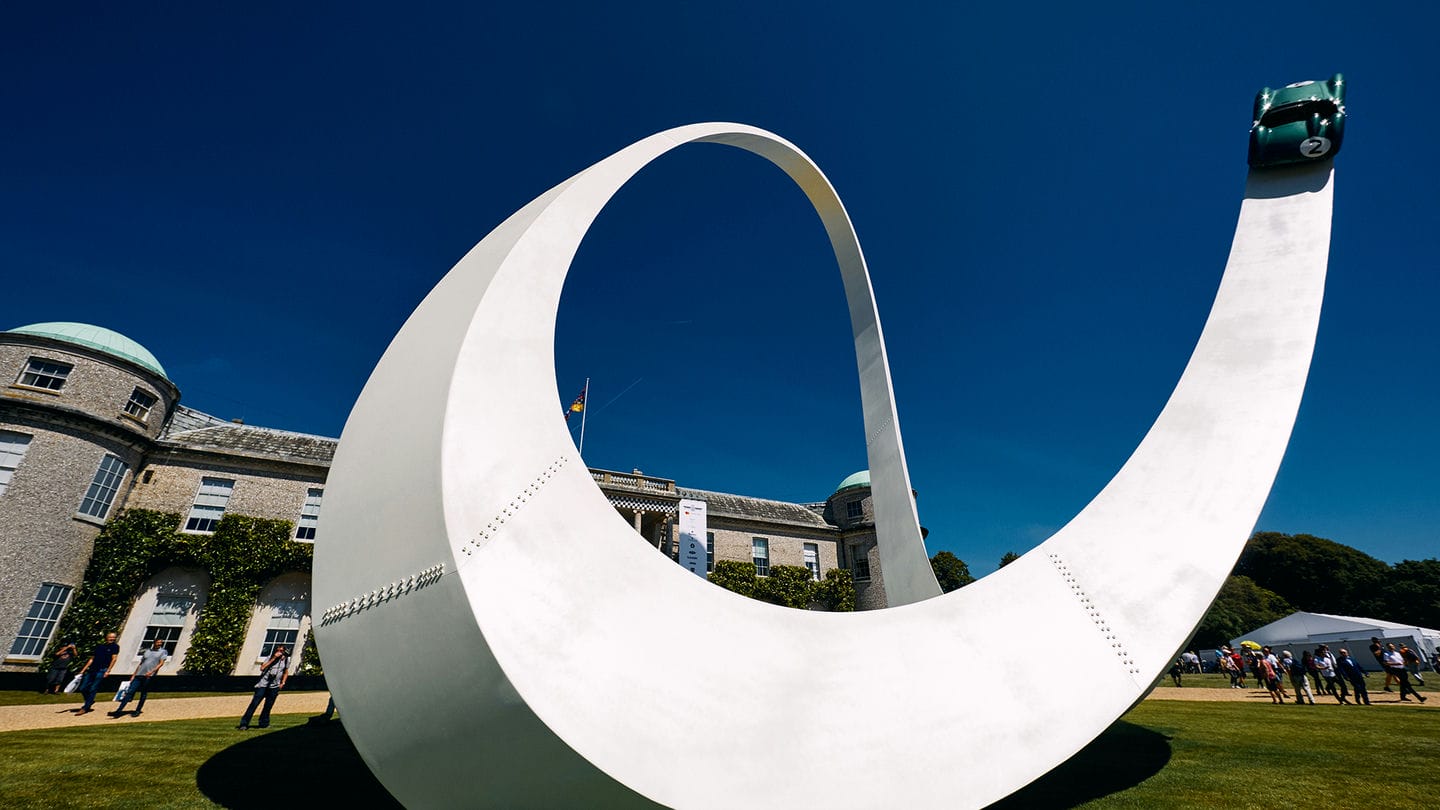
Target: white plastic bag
(74, 684)
(120, 694)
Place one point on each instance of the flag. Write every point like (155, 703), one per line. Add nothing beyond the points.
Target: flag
(577, 406)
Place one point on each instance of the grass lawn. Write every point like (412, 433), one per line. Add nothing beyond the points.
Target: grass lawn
(1240, 755)
(187, 763)
(1163, 753)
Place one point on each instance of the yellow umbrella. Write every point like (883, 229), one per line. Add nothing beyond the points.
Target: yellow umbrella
(1249, 645)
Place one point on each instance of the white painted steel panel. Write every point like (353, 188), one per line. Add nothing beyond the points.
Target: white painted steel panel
(555, 661)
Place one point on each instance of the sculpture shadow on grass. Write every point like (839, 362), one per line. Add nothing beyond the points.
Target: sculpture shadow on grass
(319, 764)
(1123, 757)
(305, 766)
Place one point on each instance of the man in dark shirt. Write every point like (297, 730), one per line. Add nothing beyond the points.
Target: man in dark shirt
(102, 660)
(1352, 672)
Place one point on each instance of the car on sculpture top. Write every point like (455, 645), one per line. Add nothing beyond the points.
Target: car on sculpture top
(1298, 123)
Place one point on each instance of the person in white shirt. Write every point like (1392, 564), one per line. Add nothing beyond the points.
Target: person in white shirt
(1329, 669)
(1395, 665)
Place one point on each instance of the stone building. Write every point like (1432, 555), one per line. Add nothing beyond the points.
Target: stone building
(90, 425)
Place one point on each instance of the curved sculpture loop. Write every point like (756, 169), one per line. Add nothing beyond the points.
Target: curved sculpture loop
(496, 636)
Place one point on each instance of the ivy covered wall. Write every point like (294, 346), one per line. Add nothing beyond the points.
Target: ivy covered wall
(241, 556)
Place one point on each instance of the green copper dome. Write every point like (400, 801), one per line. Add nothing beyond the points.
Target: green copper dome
(95, 337)
(856, 481)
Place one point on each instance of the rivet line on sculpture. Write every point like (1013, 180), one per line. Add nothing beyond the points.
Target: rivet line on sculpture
(379, 596)
(513, 508)
(1093, 612)
(875, 434)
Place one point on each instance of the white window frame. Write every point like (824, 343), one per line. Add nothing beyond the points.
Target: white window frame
(43, 372)
(211, 500)
(812, 560)
(137, 408)
(172, 623)
(38, 628)
(709, 552)
(103, 487)
(309, 515)
(760, 555)
(283, 628)
(12, 451)
(854, 510)
(859, 559)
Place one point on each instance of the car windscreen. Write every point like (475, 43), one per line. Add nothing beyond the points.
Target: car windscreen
(1291, 113)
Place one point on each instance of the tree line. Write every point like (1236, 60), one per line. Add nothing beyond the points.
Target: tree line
(1278, 574)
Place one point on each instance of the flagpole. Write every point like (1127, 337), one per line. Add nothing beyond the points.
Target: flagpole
(584, 411)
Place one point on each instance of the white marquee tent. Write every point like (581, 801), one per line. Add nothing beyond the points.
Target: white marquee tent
(1306, 631)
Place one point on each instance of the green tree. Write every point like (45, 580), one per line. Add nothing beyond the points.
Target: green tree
(1240, 607)
(1007, 558)
(1312, 573)
(1410, 594)
(950, 571)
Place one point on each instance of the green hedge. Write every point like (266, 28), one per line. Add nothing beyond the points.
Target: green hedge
(241, 556)
(787, 585)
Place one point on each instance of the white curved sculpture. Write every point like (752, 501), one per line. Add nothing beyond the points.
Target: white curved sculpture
(497, 635)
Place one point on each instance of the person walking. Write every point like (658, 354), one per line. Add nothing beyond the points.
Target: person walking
(1395, 665)
(1296, 671)
(273, 675)
(1330, 670)
(1267, 674)
(60, 668)
(1314, 672)
(1326, 668)
(1351, 671)
(1379, 652)
(102, 660)
(1227, 666)
(150, 663)
(1412, 663)
(1274, 662)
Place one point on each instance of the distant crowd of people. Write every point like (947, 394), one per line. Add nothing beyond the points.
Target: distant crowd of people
(1333, 673)
(273, 675)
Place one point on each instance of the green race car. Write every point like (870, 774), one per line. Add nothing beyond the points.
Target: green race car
(1298, 123)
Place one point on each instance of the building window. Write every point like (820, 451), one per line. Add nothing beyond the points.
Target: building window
(140, 404)
(309, 515)
(12, 449)
(709, 552)
(167, 621)
(210, 504)
(39, 624)
(45, 374)
(812, 560)
(102, 490)
(859, 564)
(284, 627)
(760, 555)
(854, 509)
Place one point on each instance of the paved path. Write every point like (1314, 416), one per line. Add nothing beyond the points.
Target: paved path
(61, 715)
(1251, 695)
(57, 715)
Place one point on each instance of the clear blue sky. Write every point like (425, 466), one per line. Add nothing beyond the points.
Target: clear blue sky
(261, 194)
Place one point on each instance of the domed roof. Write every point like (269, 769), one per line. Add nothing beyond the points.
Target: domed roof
(95, 337)
(855, 481)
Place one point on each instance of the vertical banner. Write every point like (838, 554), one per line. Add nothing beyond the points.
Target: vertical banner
(692, 536)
